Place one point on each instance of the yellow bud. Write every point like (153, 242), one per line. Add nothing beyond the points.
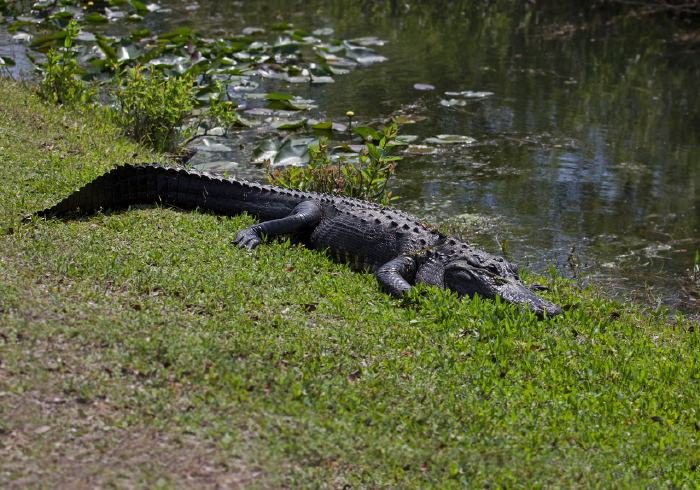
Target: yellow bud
(349, 113)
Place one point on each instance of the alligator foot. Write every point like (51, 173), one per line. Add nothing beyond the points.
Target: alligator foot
(248, 238)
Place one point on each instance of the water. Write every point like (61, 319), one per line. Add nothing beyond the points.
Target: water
(586, 154)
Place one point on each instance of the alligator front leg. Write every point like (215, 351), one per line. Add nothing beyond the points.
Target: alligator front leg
(306, 215)
(394, 276)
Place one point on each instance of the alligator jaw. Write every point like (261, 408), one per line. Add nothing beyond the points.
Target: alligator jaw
(499, 280)
(517, 292)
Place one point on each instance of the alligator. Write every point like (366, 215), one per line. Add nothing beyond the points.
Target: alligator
(400, 249)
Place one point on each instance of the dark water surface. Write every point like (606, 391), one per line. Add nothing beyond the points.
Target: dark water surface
(586, 154)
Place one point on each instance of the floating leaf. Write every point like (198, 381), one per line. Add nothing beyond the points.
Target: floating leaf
(368, 133)
(96, 18)
(281, 26)
(86, 36)
(404, 139)
(369, 41)
(22, 37)
(278, 96)
(323, 125)
(421, 149)
(469, 94)
(207, 144)
(423, 86)
(138, 34)
(259, 111)
(114, 14)
(106, 48)
(267, 150)
(453, 102)
(218, 166)
(128, 51)
(5, 61)
(450, 139)
(408, 119)
(289, 125)
(250, 31)
(322, 79)
(294, 153)
(361, 54)
(324, 31)
(143, 7)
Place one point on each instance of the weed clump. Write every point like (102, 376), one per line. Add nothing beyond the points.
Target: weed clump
(153, 109)
(366, 179)
(61, 83)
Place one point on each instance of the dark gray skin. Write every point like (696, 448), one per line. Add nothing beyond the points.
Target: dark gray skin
(396, 246)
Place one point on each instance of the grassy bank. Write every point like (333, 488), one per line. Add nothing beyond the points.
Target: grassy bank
(141, 349)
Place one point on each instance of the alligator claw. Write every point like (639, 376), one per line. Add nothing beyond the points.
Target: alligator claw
(247, 239)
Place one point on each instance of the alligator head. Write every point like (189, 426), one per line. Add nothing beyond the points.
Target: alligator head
(489, 276)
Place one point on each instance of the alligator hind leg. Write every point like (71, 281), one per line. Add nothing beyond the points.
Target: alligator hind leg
(394, 276)
(306, 215)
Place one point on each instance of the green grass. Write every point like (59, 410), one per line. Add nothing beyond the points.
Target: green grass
(141, 349)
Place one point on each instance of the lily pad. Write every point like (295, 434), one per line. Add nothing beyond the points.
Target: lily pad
(294, 152)
(267, 150)
(259, 111)
(207, 144)
(218, 166)
(404, 139)
(289, 125)
(421, 149)
(96, 18)
(250, 31)
(443, 139)
(278, 96)
(361, 54)
(423, 86)
(453, 102)
(408, 119)
(469, 94)
(368, 133)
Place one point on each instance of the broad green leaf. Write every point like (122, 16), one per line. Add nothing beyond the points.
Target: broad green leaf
(106, 48)
(323, 125)
(96, 18)
(278, 96)
(139, 6)
(408, 119)
(422, 149)
(368, 133)
(289, 125)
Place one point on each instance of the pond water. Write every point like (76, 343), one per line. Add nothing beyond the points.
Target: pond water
(585, 152)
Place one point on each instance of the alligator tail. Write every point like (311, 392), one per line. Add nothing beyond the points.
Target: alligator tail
(153, 183)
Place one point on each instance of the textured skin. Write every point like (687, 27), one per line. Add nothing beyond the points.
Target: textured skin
(391, 243)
